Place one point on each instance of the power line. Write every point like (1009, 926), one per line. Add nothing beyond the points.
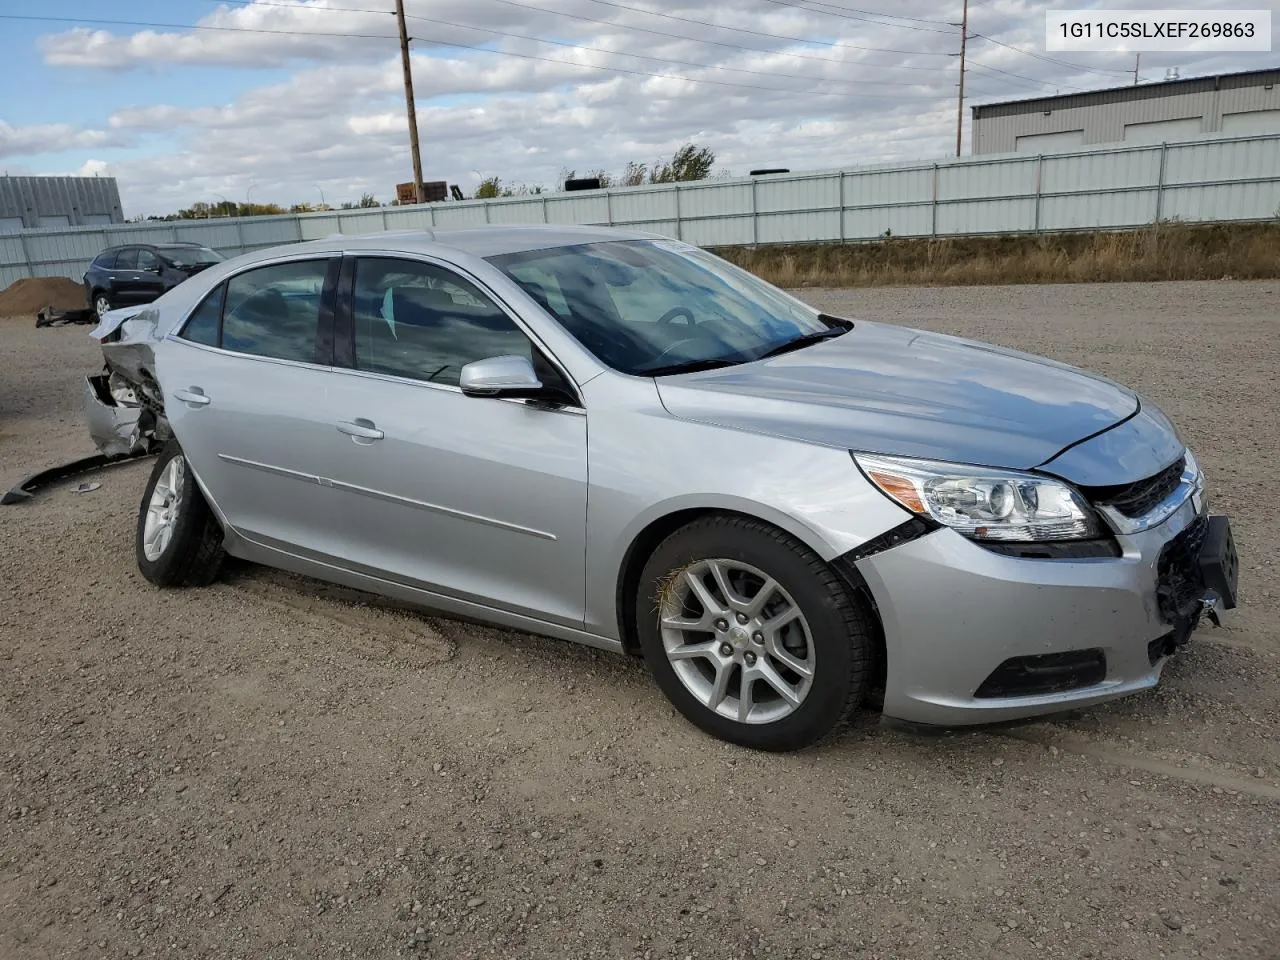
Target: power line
(758, 33)
(1064, 63)
(195, 26)
(1019, 76)
(467, 46)
(579, 46)
(628, 27)
(851, 13)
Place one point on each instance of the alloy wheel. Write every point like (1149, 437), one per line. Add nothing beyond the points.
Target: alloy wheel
(737, 640)
(162, 509)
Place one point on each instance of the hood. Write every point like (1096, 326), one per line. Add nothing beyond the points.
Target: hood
(886, 389)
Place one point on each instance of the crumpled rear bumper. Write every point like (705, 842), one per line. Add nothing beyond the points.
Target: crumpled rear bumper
(117, 430)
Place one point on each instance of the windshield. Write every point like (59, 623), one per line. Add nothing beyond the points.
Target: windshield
(649, 307)
(190, 256)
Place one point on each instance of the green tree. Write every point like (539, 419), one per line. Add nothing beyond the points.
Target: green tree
(633, 174)
(367, 200)
(491, 188)
(690, 162)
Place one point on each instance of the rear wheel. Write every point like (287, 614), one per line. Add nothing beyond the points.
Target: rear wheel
(751, 635)
(179, 542)
(101, 304)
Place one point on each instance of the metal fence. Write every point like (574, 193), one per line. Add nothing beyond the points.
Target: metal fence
(1210, 179)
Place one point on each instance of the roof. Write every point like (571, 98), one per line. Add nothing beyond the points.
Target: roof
(1129, 93)
(161, 245)
(476, 241)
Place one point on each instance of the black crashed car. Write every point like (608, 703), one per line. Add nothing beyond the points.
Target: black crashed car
(136, 273)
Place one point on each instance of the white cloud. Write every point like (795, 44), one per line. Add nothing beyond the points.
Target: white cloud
(50, 138)
(94, 168)
(524, 109)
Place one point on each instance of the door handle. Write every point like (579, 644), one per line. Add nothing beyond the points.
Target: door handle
(360, 429)
(194, 396)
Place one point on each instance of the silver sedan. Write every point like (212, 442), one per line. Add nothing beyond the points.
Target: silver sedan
(622, 440)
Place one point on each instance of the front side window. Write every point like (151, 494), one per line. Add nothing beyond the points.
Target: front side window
(644, 306)
(275, 311)
(127, 259)
(417, 320)
(147, 260)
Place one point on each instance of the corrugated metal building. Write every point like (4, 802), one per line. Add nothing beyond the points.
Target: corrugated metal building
(1235, 104)
(34, 203)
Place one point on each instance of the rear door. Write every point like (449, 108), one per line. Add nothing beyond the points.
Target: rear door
(244, 385)
(126, 287)
(98, 276)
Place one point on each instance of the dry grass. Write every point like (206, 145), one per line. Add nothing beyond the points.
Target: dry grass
(1168, 251)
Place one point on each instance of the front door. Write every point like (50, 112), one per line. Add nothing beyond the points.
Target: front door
(478, 498)
(150, 281)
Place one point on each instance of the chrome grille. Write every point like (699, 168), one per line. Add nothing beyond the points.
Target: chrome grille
(1139, 498)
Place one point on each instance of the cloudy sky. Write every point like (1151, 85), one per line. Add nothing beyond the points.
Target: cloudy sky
(292, 100)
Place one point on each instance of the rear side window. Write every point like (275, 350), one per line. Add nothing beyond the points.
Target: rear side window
(275, 311)
(105, 261)
(203, 326)
(127, 259)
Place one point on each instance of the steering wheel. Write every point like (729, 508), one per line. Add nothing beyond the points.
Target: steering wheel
(674, 312)
(671, 346)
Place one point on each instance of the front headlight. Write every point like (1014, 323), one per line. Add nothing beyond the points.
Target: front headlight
(981, 502)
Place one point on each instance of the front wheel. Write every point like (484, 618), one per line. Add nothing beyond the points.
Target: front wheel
(751, 635)
(179, 542)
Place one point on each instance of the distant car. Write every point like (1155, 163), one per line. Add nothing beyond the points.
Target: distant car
(622, 440)
(125, 276)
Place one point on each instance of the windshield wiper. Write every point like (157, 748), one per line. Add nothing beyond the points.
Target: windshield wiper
(688, 366)
(802, 341)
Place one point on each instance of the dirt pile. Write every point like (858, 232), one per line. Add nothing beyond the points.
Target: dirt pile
(30, 295)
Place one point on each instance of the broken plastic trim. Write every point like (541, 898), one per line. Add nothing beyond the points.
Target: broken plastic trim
(25, 490)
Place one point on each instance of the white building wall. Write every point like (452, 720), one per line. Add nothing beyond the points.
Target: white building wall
(1114, 116)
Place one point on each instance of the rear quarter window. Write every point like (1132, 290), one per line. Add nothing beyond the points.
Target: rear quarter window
(204, 325)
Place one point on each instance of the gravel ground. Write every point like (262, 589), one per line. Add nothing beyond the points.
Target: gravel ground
(272, 768)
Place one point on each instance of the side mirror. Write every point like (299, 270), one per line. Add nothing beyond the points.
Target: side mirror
(500, 377)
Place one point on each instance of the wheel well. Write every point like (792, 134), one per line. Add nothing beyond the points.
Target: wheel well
(647, 541)
(633, 562)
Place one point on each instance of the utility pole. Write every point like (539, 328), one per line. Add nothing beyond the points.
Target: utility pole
(418, 187)
(1137, 62)
(964, 35)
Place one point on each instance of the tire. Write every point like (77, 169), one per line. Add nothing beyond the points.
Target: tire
(183, 545)
(832, 638)
(101, 303)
